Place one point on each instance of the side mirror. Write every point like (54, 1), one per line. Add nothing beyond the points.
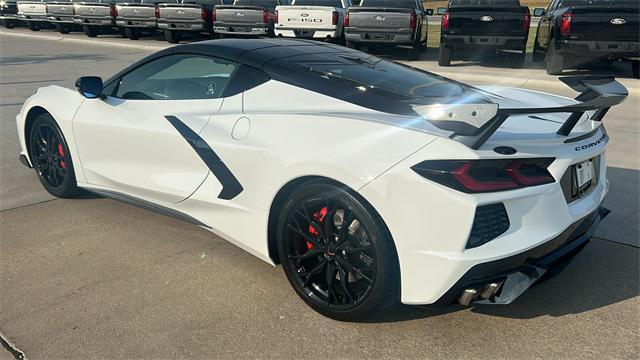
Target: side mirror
(537, 12)
(89, 86)
(441, 10)
(429, 12)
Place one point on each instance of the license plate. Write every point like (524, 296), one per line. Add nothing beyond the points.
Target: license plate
(584, 173)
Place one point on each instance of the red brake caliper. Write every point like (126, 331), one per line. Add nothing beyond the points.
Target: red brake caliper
(61, 153)
(319, 218)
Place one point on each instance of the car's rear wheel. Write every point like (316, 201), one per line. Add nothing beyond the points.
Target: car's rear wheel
(555, 61)
(172, 36)
(132, 33)
(62, 28)
(337, 253)
(90, 31)
(50, 157)
(444, 58)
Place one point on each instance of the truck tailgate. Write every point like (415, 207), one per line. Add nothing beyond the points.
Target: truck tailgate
(474, 20)
(236, 14)
(142, 11)
(32, 8)
(380, 19)
(180, 12)
(300, 17)
(61, 8)
(606, 23)
(97, 9)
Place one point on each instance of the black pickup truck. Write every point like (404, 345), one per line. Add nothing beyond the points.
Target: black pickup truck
(9, 13)
(187, 17)
(581, 32)
(495, 25)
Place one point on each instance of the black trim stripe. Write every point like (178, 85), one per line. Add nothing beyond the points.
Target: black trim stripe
(230, 185)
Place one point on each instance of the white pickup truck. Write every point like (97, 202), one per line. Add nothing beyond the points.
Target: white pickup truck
(33, 13)
(312, 19)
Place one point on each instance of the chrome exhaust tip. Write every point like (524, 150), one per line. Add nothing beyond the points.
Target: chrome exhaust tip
(467, 296)
(487, 292)
(490, 290)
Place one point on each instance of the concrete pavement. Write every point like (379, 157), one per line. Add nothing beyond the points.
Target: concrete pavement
(95, 278)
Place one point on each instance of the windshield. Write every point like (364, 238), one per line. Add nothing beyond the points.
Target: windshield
(402, 4)
(331, 3)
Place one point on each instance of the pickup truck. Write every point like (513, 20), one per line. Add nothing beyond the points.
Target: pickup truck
(246, 17)
(312, 19)
(33, 13)
(96, 16)
(60, 13)
(9, 13)
(387, 22)
(187, 16)
(580, 32)
(137, 16)
(486, 25)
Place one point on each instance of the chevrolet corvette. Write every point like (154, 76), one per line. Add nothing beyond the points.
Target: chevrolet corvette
(371, 182)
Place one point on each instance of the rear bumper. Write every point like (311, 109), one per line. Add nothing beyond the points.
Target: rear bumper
(33, 18)
(241, 29)
(515, 274)
(307, 33)
(399, 36)
(496, 42)
(628, 49)
(95, 21)
(137, 23)
(67, 19)
(9, 17)
(181, 25)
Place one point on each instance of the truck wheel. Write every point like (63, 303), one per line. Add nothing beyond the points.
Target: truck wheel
(132, 33)
(444, 58)
(538, 54)
(635, 68)
(90, 31)
(352, 45)
(554, 60)
(8, 24)
(417, 49)
(172, 36)
(62, 29)
(34, 27)
(517, 60)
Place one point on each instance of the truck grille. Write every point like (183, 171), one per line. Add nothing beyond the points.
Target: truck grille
(490, 222)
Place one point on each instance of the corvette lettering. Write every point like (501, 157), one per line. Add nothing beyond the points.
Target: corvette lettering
(592, 144)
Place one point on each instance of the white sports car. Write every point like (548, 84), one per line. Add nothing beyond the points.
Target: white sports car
(370, 182)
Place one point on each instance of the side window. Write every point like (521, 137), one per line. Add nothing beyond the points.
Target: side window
(177, 77)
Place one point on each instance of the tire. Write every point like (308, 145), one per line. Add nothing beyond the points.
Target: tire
(538, 54)
(50, 157)
(355, 273)
(34, 27)
(517, 60)
(90, 31)
(444, 58)
(62, 29)
(132, 33)
(417, 49)
(172, 36)
(352, 45)
(8, 24)
(554, 60)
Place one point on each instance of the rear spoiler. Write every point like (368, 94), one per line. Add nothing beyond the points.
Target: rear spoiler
(597, 93)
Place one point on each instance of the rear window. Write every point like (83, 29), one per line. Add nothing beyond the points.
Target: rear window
(332, 3)
(616, 3)
(401, 4)
(371, 82)
(496, 3)
(263, 3)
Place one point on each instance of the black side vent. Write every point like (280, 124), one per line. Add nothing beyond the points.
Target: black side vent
(490, 222)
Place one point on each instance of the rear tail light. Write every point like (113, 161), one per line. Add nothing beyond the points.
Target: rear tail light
(345, 22)
(275, 17)
(204, 13)
(479, 176)
(565, 23)
(334, 18)
(527, 21)
(413, 20)
(266, 16)
(114, 11)
(213, 15)
(157, 12)
(445, 21)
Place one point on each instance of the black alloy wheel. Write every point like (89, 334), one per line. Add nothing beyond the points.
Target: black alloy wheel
(337, 253)
(50, 157)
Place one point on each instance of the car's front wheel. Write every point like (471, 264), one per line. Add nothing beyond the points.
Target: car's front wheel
(50, 157)
(337, 253)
